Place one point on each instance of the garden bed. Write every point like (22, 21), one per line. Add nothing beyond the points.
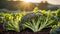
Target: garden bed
(26, 31)
(35, 22)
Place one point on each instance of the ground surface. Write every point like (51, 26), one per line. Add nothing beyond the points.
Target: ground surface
(26, 31)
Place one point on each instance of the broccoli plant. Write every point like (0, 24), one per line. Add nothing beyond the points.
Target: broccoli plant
(55, 30)
(26, 18)
(40, 22)
(11, 22)
(58, 13)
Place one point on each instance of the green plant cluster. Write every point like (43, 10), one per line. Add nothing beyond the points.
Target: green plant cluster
(11, 20)
(36, 21)
(55, 30)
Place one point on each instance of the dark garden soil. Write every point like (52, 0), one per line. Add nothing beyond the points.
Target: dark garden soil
(26, 31)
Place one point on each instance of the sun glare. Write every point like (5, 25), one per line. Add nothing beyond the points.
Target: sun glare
(33, 1)
(26, 0)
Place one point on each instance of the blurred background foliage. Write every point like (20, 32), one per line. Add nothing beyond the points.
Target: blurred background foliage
(20, 5)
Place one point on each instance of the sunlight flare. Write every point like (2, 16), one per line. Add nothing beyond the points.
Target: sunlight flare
(33, 1)
(26, 0)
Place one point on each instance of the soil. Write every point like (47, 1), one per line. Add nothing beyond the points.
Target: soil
(26, 31)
